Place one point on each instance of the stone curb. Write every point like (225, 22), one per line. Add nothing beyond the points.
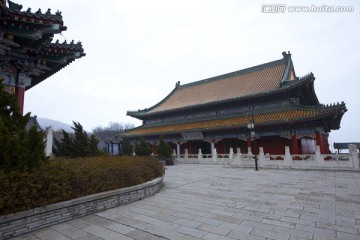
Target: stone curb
(27, 221)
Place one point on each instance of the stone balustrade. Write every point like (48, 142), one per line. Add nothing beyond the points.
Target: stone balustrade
(297, 161)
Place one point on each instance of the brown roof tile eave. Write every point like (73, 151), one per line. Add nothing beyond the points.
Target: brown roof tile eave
(314, 114)
(300, 82)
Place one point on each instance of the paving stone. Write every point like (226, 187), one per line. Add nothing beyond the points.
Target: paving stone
(348, 236)
(48, 233)
(337, 228)
(242, 235)
(70, 231)
(192, 231)
(237, 227)
(320, 231)
(296, 238)
(212, 229)
(294, 232)
(257, 225)
(25, 237)
(278, 223)
(298, 221)
(187, 223)
(209, 221)
(269, 234)
(212, 236)
(141, 235)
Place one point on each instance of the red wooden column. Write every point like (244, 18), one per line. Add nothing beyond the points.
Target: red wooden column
(320, 142)
(294, 144)
(249, 143)
(20, 95)
(326, 144)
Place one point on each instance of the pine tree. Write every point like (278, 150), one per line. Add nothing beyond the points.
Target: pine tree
(19, 149)
(80, 145)
(164, 149)
(142, 149)
(127, 147)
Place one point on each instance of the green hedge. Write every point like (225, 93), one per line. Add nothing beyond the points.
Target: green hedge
(65, 179)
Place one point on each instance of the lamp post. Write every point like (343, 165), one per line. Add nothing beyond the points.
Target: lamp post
(251, 127)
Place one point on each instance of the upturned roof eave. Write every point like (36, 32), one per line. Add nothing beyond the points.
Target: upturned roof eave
(324, 111)
(16, 9)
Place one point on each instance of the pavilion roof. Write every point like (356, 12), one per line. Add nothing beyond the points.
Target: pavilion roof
(258, 80)
(26, 42)
(274, 117)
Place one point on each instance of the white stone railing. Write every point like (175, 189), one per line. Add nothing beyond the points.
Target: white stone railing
(297, 161)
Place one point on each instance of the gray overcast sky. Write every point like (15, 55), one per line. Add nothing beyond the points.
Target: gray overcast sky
(137, 50)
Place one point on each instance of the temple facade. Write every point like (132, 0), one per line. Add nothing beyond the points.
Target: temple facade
(265, 106)
(27, 54)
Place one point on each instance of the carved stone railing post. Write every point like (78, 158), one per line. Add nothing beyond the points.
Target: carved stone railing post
(49, 142)
(186, 155)
(288, 159)
(318, 158)
(249, 153)
(200, 155)
(231, 153)
(177, 150)
(261, 158)
(249, 150)
(214, 155)
(353, 156)
(238, 151)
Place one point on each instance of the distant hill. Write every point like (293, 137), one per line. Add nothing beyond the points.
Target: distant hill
(56, 125)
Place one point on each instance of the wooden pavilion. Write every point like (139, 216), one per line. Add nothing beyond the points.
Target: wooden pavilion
(27, 54)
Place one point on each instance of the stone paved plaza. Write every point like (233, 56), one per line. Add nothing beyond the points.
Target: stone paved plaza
(215, 202)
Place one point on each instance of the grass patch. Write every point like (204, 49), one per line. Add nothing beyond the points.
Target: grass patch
(65, 179)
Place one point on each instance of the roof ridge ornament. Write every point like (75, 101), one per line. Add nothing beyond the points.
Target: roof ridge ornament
(287, 58)
(177, 84)
(285, 55)
(14, 6)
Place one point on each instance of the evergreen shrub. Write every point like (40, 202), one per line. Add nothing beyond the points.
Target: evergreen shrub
(64, 179)
(142, 148)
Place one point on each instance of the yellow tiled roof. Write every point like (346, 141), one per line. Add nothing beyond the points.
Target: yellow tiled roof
(254, 82)
(241, 121)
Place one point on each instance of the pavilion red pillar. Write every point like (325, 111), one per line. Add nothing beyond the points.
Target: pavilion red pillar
(249, 143)
(326, 144)
(320, 142)
(294, 144)
(20, 95)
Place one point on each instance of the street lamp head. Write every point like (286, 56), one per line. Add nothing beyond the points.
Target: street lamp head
(250, 125)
